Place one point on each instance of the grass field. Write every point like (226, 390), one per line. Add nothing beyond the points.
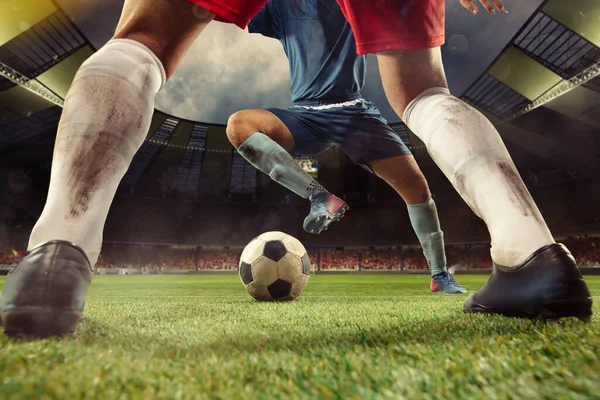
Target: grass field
(347, 336)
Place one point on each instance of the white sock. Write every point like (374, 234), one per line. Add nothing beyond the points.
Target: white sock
(269, 157)
(106, 117)
(470, 152)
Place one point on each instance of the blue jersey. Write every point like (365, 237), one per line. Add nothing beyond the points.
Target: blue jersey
(320, 47)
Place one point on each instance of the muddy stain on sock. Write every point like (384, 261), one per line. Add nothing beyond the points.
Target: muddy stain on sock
(519, 191)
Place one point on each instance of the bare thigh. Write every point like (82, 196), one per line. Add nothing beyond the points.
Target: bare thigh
(167, 27)
(243, 124)
(407, 73)
(404, 175)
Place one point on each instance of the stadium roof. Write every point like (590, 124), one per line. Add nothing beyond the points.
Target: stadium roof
(542, 92)
(555, 52)
(40, 52)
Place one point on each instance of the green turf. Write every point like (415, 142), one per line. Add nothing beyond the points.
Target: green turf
(348, 336)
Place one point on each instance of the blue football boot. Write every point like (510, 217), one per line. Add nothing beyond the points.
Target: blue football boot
(325, 208)
(444, 282)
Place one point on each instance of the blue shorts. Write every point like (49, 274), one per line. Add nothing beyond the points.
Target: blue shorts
(358, 130)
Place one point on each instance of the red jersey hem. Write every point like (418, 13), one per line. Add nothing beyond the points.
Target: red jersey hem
(381, 46)
(223, 12)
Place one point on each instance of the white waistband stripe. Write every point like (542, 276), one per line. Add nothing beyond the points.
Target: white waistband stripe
(336, 105)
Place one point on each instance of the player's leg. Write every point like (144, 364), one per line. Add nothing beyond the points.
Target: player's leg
(107, 115)
(470, 152)
(267, 142)
(403, 174)
(105, 119)
(364, 135)
(528, 265)
(242, 125)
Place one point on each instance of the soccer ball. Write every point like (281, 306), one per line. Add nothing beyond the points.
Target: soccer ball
(274, 266)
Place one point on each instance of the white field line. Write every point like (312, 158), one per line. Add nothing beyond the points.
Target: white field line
(304, 297)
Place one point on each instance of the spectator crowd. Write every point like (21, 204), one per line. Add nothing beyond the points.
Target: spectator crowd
(215, 259)
(145, 258)
(10, 257)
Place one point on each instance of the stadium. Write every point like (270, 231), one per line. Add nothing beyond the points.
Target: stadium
(180, 323)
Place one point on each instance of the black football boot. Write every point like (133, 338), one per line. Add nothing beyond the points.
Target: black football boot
(44, 295)
(548, 285)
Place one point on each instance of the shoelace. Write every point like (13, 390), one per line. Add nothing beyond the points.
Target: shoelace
(449, 277)
(451, 280)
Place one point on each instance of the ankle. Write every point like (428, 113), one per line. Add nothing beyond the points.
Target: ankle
(317, 190)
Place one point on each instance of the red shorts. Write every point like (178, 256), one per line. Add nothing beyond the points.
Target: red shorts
(385, 25)
(238, 12)
(378, 25)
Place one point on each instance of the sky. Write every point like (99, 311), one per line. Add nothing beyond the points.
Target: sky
(228, 69)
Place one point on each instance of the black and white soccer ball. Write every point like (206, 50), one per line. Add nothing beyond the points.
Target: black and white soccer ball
(274, 266)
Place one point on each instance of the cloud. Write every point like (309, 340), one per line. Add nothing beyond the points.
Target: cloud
(227, 70)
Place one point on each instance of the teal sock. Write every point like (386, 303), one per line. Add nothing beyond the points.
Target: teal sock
(425, 222)
(270, 158)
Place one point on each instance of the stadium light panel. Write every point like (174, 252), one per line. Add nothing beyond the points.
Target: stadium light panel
(560, 89)
(60, 77)
(19, 15)
(581, 16)
(523, 74)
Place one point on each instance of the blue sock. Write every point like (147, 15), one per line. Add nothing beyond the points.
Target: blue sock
(426, 224)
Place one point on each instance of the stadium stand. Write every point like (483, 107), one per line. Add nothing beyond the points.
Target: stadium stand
(188, 186)
(160, 258)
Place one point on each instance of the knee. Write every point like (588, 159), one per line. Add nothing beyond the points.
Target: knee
(239, 128)
(155, 43)
(420, 189)
(144, 22)
(416, 189)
